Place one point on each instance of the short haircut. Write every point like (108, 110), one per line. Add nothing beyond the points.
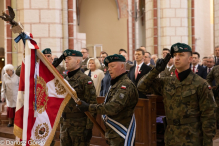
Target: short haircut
(140, 51)
(205, 57)
(196, 54)
(86, 49)
(166, 49)
(96, 62)
(122, 50)
(103, 52)
(216, 47)
(8, 67)
(149, 54)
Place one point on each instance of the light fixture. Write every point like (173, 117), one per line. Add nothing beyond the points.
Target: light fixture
(137, 13)
(3, 59)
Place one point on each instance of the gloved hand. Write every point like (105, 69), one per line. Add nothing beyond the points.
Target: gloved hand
(58, 61)
(162, 63)
(87, 135)
(83, 106)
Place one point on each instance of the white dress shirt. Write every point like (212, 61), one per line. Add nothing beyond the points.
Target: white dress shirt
(139, 66)
(196, 68)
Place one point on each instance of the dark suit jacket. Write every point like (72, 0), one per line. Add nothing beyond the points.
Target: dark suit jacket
(216, 62)
(202, 72)
(143, 70)
(105, 84)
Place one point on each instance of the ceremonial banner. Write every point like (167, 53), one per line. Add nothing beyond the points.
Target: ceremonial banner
(41, 99)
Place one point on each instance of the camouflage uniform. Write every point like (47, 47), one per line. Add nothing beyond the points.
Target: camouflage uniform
(167, 72)
(84, 65)
(60, 69)
(189, 107)
(119, 106)
(104, 68)
(214, 75)
(73, 121)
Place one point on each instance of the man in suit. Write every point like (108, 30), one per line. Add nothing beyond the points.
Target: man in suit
(139, 70)
(128, 65)
(196, 68)
(85, 54)
(204, 61)
(144, 49)
(147, 58)
(124, 51)
(103, 55)
(209, 66)
(216, 51)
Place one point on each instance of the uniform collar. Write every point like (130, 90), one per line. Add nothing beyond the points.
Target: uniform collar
(187, 81)
(72, 73)
(120, 77)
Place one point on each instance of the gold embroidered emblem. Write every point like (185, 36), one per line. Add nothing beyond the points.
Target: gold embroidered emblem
(60, 90)
(41, 131)
(42, 95)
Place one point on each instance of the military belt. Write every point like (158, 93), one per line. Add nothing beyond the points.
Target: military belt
(178, 122)
(73, 115)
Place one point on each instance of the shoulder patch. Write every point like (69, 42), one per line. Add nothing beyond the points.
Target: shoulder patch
(121, 95)
(89, 82)
(123, 87)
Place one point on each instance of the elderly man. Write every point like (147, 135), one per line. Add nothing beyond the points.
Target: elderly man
(119, 104)
(128, 63)
(76, 128)
(147, 58)
(188, 100)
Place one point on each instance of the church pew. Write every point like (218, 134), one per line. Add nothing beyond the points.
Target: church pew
(145, 114)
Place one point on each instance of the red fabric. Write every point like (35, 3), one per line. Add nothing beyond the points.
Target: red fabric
(193, 69)
(177, 74)
(11, 112)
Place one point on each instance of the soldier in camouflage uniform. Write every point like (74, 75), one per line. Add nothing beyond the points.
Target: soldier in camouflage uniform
(76, 127)
(188, 100)
(214, 75)
(122, 98)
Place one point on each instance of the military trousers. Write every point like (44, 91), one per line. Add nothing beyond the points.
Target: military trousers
(70, 137)
(117, 141)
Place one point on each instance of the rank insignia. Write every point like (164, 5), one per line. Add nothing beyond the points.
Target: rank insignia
(65, 54)
(89, 82)
(176, 48)
(121, 95)
(123, 87)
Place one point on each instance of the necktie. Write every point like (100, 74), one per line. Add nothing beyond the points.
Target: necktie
(136, 71)
(193, 69)
(209, 69)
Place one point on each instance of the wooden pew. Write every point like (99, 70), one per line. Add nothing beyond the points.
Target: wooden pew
(145, 114)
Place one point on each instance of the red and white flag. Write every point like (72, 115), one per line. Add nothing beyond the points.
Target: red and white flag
(41, 99)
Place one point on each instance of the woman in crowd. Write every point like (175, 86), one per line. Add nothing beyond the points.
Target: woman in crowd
(10, 84)
(95, 73)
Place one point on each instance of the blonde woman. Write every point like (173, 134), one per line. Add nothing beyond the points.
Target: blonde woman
(10, 84)
(95, 73)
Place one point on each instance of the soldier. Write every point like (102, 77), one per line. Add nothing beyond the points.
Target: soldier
(76, 127)
(85, 54)
(119, 104)
(188, 100)
(213, 75)
(103, 55)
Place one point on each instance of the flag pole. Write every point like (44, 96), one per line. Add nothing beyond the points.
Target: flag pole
(66, 86)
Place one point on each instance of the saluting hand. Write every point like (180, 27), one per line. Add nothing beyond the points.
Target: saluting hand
(162, 63)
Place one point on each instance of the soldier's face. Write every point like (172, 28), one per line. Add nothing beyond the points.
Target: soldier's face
(92, 65)
(71, 63)
(182, 60)
(165, 53)
(49, 57)
(115, 69)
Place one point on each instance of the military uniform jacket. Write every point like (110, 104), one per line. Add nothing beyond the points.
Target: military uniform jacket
(213, 75)
(189, 107)
(84, 65)
(85, 90)
(167, 72)
(120, 104)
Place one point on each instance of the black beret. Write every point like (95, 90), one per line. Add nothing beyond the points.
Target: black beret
(180, 47)
(114, 58)
(47, 51)
(69, 52)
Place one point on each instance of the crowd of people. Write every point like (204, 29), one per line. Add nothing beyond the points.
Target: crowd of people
(182, 79)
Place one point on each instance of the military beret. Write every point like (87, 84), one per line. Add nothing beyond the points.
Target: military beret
(114, 58)
(47, 51)
(75, 53)
(180, 47)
